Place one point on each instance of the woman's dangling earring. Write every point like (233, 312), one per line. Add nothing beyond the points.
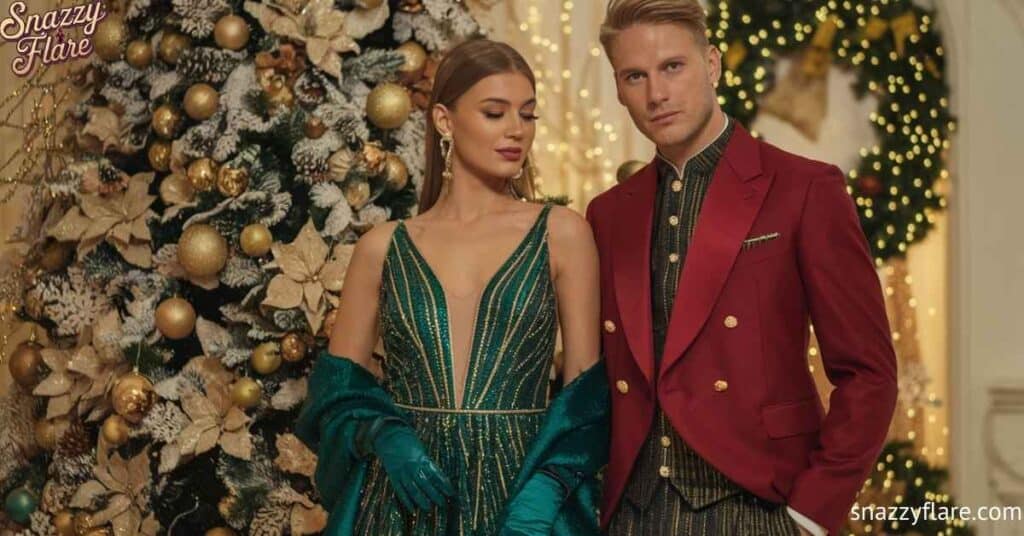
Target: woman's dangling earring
(446, 150)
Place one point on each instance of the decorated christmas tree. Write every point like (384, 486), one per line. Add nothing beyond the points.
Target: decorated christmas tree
(182, 268)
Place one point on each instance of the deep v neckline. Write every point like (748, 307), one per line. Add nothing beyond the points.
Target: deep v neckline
(487, 288)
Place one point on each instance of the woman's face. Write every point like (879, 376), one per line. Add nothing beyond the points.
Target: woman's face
(492, 125)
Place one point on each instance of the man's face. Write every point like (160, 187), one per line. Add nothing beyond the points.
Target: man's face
(666, 80)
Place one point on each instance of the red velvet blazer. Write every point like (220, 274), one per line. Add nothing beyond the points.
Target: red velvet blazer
(776, 247)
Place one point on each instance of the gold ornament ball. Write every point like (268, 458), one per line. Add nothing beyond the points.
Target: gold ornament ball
(396, 171)
(109, 38)
(628, 169)
(47, 432)
(115, 430)
(160, 155)
(201, 101)
(133, 396)
(26, 364)
(357, 194)
(202, 173)
(256, 239)
(64, 522)
(83, 523)
(328, 325)
(279, 95)
(266, 358)
(231, 32)
(202, 251)
(415, 60)
(176, 188)
(56, 255)
(246, 393)
(139, 54)
(314, 128)
(166, 121)
(220, 531)
(388, 105)
(232, 182)
(175, 318)
(172, 44)
(293, 347)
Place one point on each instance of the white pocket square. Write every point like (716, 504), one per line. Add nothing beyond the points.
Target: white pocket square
(751, 242)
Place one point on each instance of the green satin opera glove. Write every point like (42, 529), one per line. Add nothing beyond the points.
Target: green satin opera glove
(533, 510)
(416, 479)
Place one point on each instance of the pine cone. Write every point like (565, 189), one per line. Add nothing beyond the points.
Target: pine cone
(75, 442)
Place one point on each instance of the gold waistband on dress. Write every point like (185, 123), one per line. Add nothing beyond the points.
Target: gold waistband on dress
(467, 411)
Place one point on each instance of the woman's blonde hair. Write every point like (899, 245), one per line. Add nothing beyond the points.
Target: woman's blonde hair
(462, 67)
(622, 14)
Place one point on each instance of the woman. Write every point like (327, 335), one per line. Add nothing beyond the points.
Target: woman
(467, 297)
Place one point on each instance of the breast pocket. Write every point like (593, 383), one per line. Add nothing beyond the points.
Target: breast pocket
(762, 246)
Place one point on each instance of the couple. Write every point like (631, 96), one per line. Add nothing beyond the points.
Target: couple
(695, 280)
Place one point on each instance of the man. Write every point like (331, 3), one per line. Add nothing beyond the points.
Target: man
(714, 259)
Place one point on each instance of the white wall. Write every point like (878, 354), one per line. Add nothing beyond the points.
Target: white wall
(986, 44)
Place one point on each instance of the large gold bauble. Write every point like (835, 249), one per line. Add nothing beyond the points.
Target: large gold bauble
(172, 44)
(388, 105)
(56, 255)
(176, 188)
(64, 522)
(396, 171)
(201, 101)
(139, 54)
(133, 396)
(175, 318)
(160, 155)
(266, 358)
(256, 239)
(202, 173)
(232, 182)
(231, 32)
(220, 531)
(628, 169)
(26, 364)
(415, 60)
(293, 347)
(115, 430)
(202, 251)
(166, 121)
(246, 393)
(108, 41)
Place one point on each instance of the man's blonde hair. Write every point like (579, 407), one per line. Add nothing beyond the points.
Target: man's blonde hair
(622, 14)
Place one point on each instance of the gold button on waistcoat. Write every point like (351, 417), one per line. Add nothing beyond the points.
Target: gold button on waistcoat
(664, 471)
(622, 386)
(731, 322)
(666, 441)
(673, 257)
(677, 185)
(609, 326)
(721, 385)
(673, 220)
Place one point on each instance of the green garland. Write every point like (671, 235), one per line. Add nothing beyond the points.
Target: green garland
(897, 54)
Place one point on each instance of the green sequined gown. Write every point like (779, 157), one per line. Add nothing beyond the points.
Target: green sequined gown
(481, 444)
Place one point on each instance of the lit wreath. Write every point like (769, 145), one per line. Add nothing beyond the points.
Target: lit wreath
(897, 55)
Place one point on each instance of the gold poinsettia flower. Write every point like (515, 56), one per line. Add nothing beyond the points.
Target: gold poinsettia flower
(124, 486)
(308, 276)
(84, 376)
(319, 25)
(215, 420)
(120, 219)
